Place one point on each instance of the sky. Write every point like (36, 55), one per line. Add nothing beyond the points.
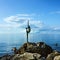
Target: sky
(43, 16)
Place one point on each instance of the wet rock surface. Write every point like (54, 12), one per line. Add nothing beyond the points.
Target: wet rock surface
(33, 51)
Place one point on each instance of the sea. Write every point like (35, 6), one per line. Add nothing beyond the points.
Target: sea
(11, 40)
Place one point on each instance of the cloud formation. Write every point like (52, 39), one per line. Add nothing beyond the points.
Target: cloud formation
(56, 12)
(19, 23)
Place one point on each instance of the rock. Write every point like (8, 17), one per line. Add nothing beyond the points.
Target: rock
(24, 48)
(41, 48)
(16, 57)
(52, 55)
(36, 55)
(46, 48)
(15, 50)
(42, 58)
(57, 57)
(6, 57)
(26, 56)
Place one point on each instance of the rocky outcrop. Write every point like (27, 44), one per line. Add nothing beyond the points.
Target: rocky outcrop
(40, 48)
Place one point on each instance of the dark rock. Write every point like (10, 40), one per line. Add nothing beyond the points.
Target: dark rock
(15, 50)
(40, 48)
(24, 48)
(5, 57)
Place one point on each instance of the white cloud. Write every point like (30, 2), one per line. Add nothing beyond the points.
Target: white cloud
(22, 19)
(56, 12)
(19, 22)
(18, 17)
(56, 28)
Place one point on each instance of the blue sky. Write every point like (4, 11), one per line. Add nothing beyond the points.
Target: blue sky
(44, 15)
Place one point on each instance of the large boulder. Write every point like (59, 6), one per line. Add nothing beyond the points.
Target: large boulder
(57, 57)
(26, 56)
(53, 55)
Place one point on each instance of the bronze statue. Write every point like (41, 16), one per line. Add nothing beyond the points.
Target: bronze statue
(28, 29)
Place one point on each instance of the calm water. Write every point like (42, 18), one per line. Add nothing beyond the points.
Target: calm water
(8, 41)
